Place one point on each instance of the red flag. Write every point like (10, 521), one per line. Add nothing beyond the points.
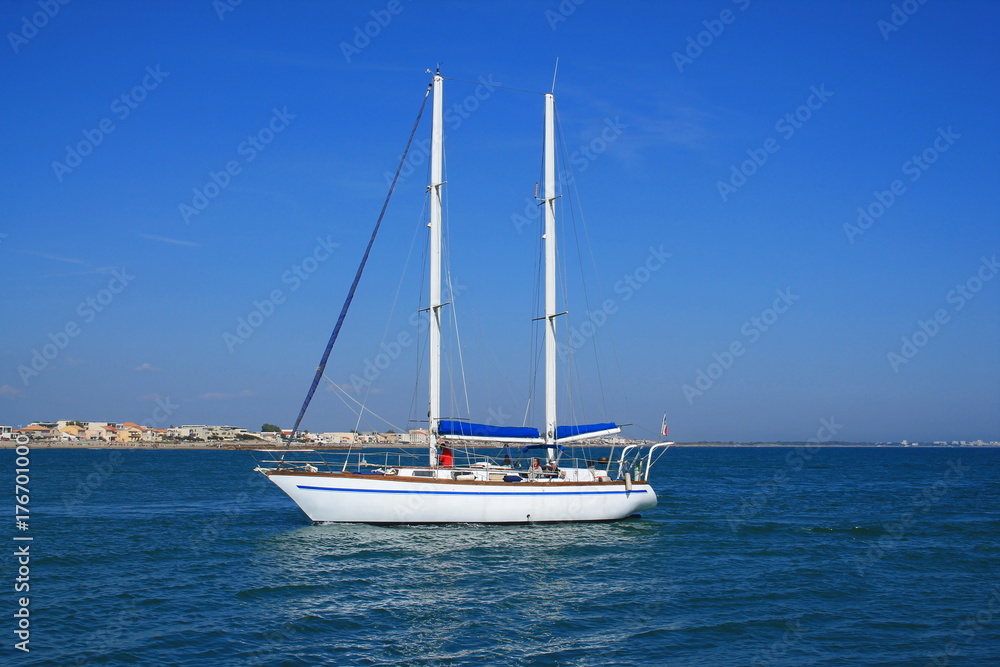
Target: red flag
(663, 426)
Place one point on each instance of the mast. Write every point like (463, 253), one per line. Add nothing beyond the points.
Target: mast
(434, 371)
(550, 277)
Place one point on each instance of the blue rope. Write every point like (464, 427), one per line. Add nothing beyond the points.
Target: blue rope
(357, 277)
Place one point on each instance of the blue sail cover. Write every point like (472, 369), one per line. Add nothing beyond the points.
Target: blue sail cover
(569, 431)
(454, 427)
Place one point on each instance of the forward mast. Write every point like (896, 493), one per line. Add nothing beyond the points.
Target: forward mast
(434, 188)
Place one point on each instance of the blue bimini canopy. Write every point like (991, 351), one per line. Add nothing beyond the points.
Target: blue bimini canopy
(583, 429)
(454, 427)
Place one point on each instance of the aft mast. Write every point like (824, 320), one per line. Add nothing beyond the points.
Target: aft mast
(434, 188)
(550, 278)
(556, 435)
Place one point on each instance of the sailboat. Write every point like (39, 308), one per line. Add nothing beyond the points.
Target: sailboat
(488, 490)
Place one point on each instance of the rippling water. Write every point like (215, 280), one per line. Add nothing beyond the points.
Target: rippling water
(754, 556)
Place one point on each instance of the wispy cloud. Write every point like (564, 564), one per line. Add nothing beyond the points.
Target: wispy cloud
(45, 255)
(100, 270)
(215, 396)
(287, 59)
(8, 391)
(147, 367)
(247, 392)
(349, 388)
(302, 61)
(653, 120)
(164, 239)
(71, 361)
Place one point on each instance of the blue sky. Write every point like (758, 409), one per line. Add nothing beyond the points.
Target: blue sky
(739, 138)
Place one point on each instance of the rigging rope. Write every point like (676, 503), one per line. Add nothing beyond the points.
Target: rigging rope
(573, 184)
(363, 408)
(357, 276)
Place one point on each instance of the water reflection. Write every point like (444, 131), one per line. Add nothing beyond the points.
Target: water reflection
(424, 590)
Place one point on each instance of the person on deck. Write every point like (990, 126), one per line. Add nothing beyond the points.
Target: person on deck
(445, 458)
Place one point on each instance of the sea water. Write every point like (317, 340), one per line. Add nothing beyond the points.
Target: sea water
(754, 556)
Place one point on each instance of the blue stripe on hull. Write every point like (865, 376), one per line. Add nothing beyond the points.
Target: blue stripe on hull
(477, 493)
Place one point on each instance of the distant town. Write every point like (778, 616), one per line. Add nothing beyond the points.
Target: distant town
(67, 433)
(131, 433)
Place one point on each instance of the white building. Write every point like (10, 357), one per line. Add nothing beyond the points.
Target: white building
(418, 436)
(207, 432)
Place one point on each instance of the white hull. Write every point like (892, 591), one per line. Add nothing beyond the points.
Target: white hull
(353, 498)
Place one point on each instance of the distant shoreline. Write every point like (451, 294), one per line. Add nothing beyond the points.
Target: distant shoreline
(250, 445)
